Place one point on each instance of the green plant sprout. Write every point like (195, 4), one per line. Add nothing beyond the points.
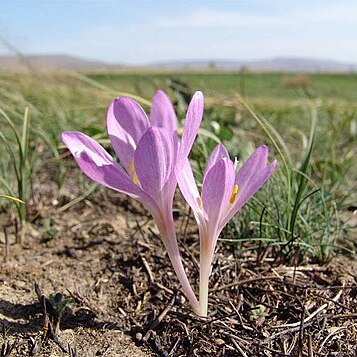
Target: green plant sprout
(58, 303)
(20, 163)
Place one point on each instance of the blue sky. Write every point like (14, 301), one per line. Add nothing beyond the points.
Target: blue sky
(139, 31)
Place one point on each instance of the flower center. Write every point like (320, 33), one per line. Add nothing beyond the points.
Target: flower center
(234, 194)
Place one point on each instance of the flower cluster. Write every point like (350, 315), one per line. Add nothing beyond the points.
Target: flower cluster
(153, 160)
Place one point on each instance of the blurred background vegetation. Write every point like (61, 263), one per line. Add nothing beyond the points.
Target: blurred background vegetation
(309, 121)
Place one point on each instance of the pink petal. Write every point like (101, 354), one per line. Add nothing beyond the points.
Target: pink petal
(188, 187)
(154, 160)
(162, 112)
(192, 124)
(122, 142)
(99, 166)
(218, 153)
(256, 161)
(250, 178)
(217, 189)
(96, 163)
(131, 117)
(254, 184)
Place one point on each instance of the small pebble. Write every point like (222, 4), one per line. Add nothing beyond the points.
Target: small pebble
(139, 336)
(219, 341)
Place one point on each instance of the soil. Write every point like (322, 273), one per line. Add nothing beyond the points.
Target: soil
(104, 253)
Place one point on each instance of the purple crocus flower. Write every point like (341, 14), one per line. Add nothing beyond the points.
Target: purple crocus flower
(147, 152)
(224, 192)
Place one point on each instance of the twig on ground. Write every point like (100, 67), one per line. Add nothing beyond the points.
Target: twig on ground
(72, 351)
(344, 316)
(301, 328)
(310, 348)
(304, 269)
(312, 315)
(162, 287)
(48, 328)
(139, 229)
(236, 345)
(242, 282)
(7, 348)
(147, 268)
(55, 339)
(192, 257)
(158, 320)
(334, 332)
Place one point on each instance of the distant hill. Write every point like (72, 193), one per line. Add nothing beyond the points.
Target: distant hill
(51, 62)
(275, 64)
(67, 62)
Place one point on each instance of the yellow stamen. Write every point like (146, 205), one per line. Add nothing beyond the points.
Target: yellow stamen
(135, 179)
(133, 173)
(234, 194)
(131, 166)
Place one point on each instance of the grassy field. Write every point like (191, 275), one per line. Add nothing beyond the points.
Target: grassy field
(278, 109)
(254, 85)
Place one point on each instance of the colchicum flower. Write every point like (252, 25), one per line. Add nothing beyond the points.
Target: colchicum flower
(224, 192)
(147, 151)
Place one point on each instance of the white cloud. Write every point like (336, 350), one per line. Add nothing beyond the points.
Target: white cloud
(208, 18)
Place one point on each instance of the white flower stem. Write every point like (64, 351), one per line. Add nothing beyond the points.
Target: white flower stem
(205, 265)
(182, 277)
(167, 230)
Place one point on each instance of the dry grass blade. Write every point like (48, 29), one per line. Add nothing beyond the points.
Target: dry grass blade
(334, 332)
(7, 348)
(312, 315)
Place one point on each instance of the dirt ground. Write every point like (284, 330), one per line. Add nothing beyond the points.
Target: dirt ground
(105, 254)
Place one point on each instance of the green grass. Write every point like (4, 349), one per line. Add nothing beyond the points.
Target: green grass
(20, 157)
(256, 85)
(296, 213)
